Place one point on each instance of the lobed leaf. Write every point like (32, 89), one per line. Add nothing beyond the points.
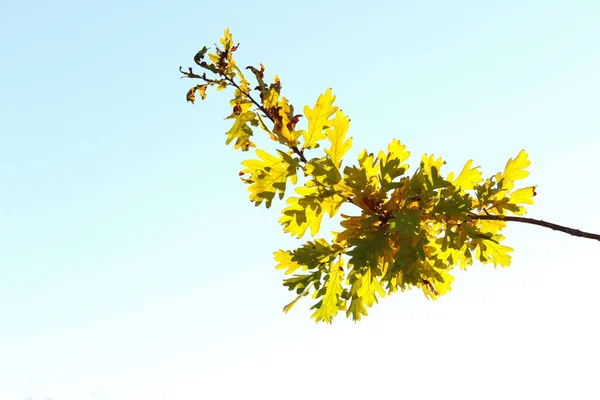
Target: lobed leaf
(468, 177)
(318, 119)
(331, 303)
(515, 170)
(492, 250)
(285, 260)
(370, 287)
(308, 211)
(337, 136)
(241, 130)
(522, 196)
(392, 165)
(269, 176)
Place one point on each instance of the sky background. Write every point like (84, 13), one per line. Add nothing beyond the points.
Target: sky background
(133, 266)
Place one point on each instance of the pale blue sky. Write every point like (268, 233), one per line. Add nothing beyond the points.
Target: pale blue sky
(133, 266)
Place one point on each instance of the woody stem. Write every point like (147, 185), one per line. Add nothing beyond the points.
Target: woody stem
(538, 222)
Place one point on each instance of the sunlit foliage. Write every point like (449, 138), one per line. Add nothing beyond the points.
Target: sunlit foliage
(410, 229)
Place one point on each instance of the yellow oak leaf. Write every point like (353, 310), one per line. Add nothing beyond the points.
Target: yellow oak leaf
(319, 119)
(269, 176)
(369, 288)
(467, 178)
(331, 302)
(285, 261)
(498, 253)
(241, 131)
(522, 196)
(337, 136)
(515, 170)
(308, 211)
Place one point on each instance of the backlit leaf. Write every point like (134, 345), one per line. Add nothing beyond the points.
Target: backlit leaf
(269, 176)
(369, 289)
(319, 119)
(337, 136)
(497, 253)
(515, 170)
(289, 306)
(191, 94)
(285, 261)
(308, 211)
(241, 130)
(467, 178)
(393, 164)
(443, 286)
(331, 302)
(522, 196)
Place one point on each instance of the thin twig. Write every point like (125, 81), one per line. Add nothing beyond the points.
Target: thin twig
(538, 222)
(295, 149)
(257, 104)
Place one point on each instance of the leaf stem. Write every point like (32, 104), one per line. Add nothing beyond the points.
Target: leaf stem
(295, 149)
(538, 222)
(257, 104)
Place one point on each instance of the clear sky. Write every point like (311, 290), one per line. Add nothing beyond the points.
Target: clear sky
(133, 266)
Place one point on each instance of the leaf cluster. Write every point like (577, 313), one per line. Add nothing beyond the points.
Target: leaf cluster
(409, 231)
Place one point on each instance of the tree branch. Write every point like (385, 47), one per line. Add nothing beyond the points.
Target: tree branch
(249, 96)
(295, 149)
(538, 222)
